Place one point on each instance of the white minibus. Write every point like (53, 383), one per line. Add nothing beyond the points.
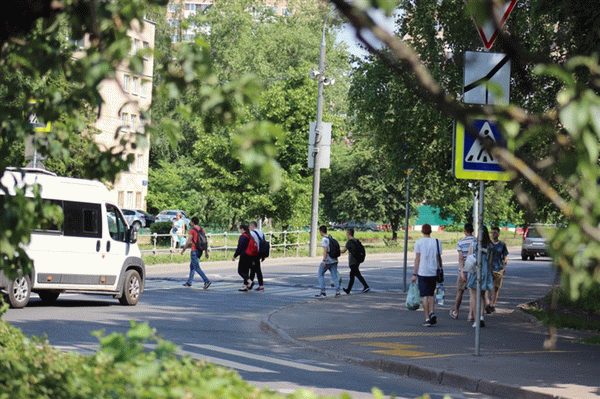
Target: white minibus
(93, 251)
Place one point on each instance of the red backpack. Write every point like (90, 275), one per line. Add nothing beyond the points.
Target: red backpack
(252, 248)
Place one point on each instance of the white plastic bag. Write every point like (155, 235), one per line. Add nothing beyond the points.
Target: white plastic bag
(470, 261)
(413, 298)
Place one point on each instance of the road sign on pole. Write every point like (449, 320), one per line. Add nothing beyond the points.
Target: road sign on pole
(482, 68)
(487, 30)
(471, 160)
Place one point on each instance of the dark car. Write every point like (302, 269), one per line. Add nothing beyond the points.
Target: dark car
(149, 218)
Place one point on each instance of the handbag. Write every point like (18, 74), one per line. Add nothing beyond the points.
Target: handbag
(440, 269)
(470, 261)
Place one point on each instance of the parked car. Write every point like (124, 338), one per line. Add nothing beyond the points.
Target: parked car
(135, 218)
(149, 218)
(533, 244)
(359, 226)
(169, 214)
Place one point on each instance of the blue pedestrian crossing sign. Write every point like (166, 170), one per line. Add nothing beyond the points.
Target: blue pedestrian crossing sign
(471, 160)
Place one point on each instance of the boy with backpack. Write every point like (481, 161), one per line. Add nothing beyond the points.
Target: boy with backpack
(196, 240)
(356, 256)
(331, 253)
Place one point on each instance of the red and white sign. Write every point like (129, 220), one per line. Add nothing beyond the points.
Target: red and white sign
(488, 31)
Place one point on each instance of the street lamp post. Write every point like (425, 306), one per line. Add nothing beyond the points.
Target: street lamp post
(314, 221)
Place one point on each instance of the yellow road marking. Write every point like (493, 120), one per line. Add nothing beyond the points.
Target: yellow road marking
(377, 335)
(393, 349)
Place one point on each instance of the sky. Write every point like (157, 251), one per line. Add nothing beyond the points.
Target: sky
(348, 34)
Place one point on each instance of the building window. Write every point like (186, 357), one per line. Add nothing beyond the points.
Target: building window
(138, 200)
(121, 199)
(129, 199)
(140, 162)
(144, 89)
(125, 122)
(173, 7)
(134, 86)
(126, 82)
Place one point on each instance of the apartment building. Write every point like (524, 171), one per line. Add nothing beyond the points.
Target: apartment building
(178, 10)
(125, 97)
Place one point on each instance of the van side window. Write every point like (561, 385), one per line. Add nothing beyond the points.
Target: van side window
(116, 224)
(82, 219)
(50, 226)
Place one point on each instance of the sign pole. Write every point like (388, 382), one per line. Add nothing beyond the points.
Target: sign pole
(406, 215)
(478, 309)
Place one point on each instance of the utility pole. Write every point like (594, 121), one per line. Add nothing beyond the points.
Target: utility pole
(406, 215)
(314, 221)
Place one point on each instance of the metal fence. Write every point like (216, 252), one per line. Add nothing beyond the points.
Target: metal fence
(284, 241)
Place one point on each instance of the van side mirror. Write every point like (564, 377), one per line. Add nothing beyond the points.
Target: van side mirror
(132, 235)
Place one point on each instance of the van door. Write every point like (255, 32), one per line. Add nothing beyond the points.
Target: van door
(73, 259)
(115, 246)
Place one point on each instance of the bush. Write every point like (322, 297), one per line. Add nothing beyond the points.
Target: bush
(162, 228)
(122, 368)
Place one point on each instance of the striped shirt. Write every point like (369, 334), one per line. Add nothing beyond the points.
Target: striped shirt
(464, 244)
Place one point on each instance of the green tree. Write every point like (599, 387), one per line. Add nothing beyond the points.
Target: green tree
(551, 123)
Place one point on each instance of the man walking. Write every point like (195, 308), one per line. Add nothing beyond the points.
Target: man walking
(427, 257)
(255, 267)
(192, 242)
(499, 258)
(330, 262)
(462, 247)
(353, 247)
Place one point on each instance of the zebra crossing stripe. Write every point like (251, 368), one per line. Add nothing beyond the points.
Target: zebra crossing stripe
(265, 359)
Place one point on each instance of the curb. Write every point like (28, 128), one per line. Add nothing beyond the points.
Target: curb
(409, 370)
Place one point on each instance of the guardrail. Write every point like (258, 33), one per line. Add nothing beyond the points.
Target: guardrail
(226, 242)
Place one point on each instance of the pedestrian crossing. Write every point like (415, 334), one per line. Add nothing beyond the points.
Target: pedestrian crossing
(229, 287)
(242, 361)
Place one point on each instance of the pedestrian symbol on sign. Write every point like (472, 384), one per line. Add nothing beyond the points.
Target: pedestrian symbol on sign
(471, 158)
(479, 154)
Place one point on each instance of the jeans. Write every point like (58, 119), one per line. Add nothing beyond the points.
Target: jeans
(332, 267)
(195, 267)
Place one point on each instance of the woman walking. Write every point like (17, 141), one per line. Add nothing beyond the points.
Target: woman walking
(487, 282)
(247, 251)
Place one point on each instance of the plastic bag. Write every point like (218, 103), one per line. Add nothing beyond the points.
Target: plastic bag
(413, 298)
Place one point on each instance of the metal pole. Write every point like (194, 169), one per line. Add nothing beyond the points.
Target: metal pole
(314, 221)
(479, 256)
(406, 215)
(476, 213)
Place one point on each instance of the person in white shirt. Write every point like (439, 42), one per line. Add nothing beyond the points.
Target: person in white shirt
(427, 255)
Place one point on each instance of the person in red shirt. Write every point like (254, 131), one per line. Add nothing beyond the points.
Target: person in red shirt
(192, 239)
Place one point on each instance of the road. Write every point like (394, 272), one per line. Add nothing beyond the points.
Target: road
(222, 325)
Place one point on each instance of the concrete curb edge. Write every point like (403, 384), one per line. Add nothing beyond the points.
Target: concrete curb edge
(417, 372)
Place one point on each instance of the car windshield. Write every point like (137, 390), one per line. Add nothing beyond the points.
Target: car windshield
(533, 233)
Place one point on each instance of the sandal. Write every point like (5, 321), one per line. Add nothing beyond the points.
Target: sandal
(243, 289)
(261, 288)
(454, 314)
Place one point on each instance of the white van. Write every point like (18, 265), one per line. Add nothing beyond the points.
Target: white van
(94, 251)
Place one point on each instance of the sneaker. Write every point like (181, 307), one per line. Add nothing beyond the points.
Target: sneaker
(481, 323)
(337, 294)
(321, 295)
(186, 284)
(243, 289)
(488, 309)
(365, 290)
(427, 323)
(261, 288)
(493, 309)
(207, 284)
(346, 290)
(432, 318)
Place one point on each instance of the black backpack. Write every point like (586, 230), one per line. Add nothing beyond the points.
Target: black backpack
(358, 251)
(264, 248)
(334, 248)
(201, 242)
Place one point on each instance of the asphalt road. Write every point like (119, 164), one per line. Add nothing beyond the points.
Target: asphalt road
(222, 325)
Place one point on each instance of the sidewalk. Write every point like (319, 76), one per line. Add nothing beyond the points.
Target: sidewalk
(377, 331)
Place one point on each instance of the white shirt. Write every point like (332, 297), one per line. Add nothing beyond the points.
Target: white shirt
(428, 249)
(325, 244)
(256, 236)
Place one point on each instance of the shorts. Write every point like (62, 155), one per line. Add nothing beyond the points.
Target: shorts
(498, 277)
(461, 285)
(427, 285)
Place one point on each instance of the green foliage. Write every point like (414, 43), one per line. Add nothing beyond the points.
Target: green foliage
(162, 228)
(123, 367)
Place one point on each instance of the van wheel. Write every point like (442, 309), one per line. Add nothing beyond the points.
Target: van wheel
(48, 296)
(19, 291)
(132, 288)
